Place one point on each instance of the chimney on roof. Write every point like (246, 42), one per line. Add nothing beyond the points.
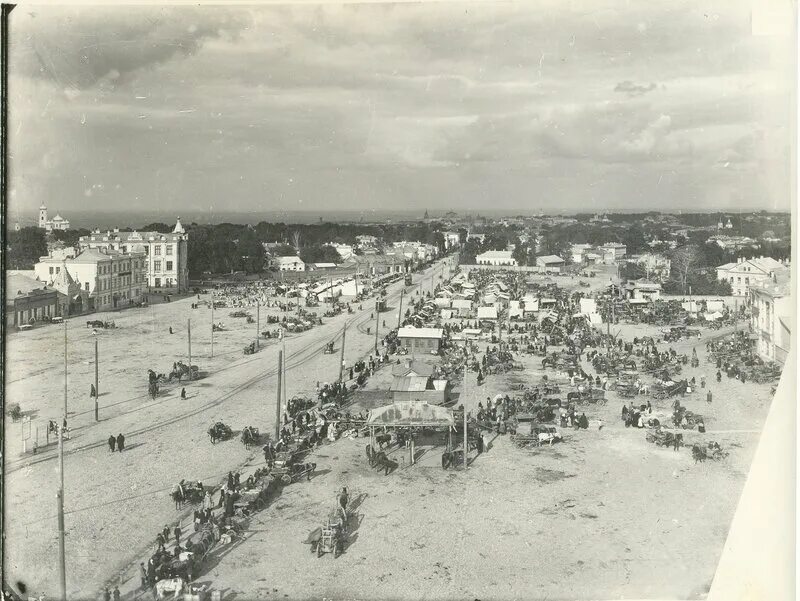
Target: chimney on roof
(116, 230)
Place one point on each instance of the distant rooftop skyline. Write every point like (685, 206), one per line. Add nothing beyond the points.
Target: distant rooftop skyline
(464, 106)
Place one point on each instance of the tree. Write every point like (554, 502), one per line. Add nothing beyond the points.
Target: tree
(469, 252)
(632, 271)
(158, 226)
(25, 247)
(685, 261)
(251, 252)
(284, 250)
(69, 237)
(320, 254)
(520, 254)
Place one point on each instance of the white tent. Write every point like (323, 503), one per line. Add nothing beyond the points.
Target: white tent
(588, 305)
(487, 313)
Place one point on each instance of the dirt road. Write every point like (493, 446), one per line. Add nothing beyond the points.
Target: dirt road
(116, 502)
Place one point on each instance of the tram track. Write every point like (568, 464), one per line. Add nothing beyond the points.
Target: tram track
(297, 359)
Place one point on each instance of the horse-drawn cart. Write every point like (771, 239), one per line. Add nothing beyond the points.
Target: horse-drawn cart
(219, 431)
(293, 472)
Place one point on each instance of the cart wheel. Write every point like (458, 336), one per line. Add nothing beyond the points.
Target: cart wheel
(337, 550)
(286, 479)
(319, 549)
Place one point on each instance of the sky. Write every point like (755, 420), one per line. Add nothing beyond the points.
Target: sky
(520, 106)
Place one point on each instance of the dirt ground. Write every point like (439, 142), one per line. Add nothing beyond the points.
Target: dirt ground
(116, 502)
(604, 514)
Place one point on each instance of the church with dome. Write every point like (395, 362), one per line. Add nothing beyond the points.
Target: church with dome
(56, 223)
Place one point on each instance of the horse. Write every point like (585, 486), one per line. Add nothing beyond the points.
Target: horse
(383, 462)
(699, 453)
(178, 496)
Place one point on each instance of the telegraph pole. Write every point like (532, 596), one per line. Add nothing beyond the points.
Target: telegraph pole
(65, 368)
(341, 356)
(62, 564)
(400, 312)
(377, 321)
(278, 400)
(258, 324)
(466, 445)
(212, 326)
(283, 352)
(189, 335)
(96, 381)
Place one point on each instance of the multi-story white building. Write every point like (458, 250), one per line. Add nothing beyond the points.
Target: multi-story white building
(495, 257)
(288, 264)
(451, 239)
(166, 255)
(56, 223)
(578, 252)
(106, 279)
(771, 313)
(748, 272)
(612, 252)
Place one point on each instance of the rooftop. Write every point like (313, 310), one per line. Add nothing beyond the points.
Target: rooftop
(496, 254)
(17, 283)
(550, 259)
(412, 332)
(416, 367)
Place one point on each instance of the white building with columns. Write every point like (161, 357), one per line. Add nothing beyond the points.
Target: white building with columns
(165, 255)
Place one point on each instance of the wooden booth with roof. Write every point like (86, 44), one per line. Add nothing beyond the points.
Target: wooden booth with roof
(408, 415)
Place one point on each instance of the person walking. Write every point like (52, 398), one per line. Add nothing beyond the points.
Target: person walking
(120, 442)
(177, 533)
(112, 442)
(343, 500)
(116, 593)
(143, 575)
(708, 397)
(106, 595)
(183, 393)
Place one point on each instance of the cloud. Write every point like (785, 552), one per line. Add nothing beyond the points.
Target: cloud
(632, 90)
(104, 46)
(393, 104)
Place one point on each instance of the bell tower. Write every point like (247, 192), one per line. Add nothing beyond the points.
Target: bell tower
(43, 217)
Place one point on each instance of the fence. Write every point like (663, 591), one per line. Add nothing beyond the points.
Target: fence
(532, 269)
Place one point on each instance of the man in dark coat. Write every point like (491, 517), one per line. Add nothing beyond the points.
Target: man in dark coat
(112, 442)
(177, 533)
(120, 442)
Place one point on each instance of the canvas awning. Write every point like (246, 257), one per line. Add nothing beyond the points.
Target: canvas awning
(411, 413)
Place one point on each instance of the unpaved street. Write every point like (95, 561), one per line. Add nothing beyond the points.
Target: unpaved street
(116, 502)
